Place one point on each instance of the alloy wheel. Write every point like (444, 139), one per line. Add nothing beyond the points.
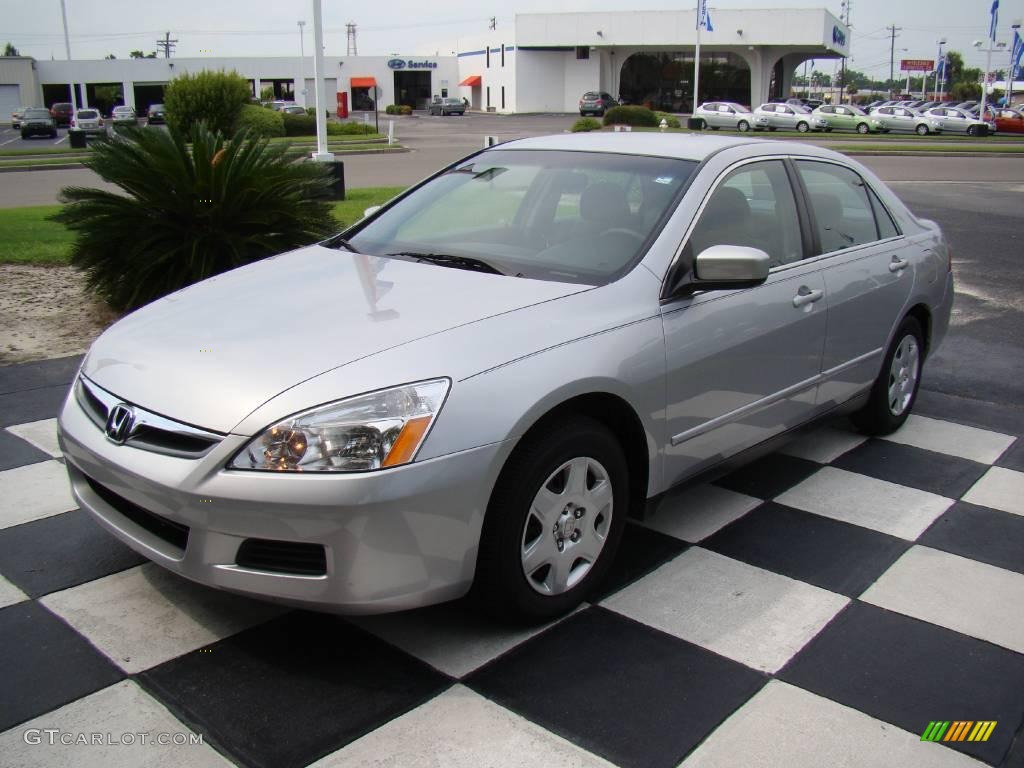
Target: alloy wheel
(903, 373)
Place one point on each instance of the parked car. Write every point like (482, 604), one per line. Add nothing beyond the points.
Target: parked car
(958, 121)
(16, 117)
(812, 104)
(37, 121)
(278, 104)
(123, 116)
(791, 117)
(1010, 121)
(729, 114)
(847, 117)
(596, 103)
(89, 122)
(902, 119)
(447, 106)
(156, 114)
(495, 394)
(966, 104)
(293, 109)
(62, 113)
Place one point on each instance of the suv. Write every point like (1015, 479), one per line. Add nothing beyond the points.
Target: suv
(447, 106)
(62, 113)
(89, 122)
(156, 114)
(37, 122)
(596, 103)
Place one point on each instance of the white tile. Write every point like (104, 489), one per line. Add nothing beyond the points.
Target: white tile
(954, 439)
(42, 434)
(999, 488)
(146, 615)
(10, 594)
(118, 715)
(448, 637)
(955, 592)
(751, 615)
(33, 492)
(865, 501)
(696, 513)
(824, 445)
(783, 726)
(460, 729)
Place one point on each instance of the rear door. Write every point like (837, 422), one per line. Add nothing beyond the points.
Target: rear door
(868, 268)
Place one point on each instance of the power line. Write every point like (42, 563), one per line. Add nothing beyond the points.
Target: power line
(167, 45)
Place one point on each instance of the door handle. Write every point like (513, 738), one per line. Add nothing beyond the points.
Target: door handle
(898, 264)
(806, 296)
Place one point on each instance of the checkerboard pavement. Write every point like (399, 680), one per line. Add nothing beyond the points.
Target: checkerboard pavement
(815, 608)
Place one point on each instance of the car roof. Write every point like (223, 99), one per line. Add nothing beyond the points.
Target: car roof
(678, 145)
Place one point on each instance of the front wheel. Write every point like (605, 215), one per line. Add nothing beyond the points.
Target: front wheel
(553, 523)
(743, 126)
(922, 130)
(895, 390)
(862, 128)
(771, 128)
(701, 125)
(803, 127)
(972, 130)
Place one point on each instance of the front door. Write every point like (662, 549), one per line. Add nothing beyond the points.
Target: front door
(742, 365)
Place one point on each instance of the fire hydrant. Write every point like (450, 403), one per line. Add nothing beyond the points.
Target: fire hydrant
(663, 124)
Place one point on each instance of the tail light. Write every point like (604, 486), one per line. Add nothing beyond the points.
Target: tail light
(600, 102)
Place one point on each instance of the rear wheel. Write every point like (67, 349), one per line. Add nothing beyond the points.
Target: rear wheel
(743, 126)
(554, 521)
(895, 390)
(701, 125)
(771, 128)
(972, 130)
(922, 130)
(803, 127)
(862, 127)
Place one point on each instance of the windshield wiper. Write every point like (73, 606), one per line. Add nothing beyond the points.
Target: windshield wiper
(447, 260)
(337, 240)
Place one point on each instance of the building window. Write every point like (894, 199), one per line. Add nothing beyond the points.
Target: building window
(503, 55)
(488, 57)
(503, 97)
(582, 52)
(488, 95)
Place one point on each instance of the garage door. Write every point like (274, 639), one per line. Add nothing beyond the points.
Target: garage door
(10, 96)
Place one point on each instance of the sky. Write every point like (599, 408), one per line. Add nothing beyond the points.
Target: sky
(269, 27)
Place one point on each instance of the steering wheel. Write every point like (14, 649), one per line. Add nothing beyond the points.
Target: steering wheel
(623, 231)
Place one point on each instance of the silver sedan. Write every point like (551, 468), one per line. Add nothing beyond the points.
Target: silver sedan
(471, 389)
(727, 114)
(958, 121)
(791, 117)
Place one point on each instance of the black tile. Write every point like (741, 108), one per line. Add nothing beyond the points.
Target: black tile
(39, 373)
(61, 551)
(622, 690)
(980, 533)
(640, 552)
(827, 553)
(45, 664)
(15, 452)
(998, 417)
(31, 405)
(939, 473)
(908, 672)
(769, 476)
(292, 690)
(1013, 457)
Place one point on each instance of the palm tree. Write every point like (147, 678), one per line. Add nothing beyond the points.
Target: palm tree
(183, 216)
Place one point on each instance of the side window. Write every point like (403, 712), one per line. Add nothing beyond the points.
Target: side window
(886, 226)
(839, 200)
(754, 206)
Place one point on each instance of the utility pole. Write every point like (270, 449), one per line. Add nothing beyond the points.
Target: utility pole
(350, 39)
(493, 23)
(892, 55)
(302, 63)
(67, 48)
(167, 45)
(844, 16)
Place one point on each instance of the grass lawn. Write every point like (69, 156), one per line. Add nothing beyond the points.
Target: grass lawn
(28, 237)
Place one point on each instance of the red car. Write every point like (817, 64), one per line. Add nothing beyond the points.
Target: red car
(62, 112)
(1009, 121)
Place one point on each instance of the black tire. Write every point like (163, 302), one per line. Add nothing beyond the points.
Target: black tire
(701, 125)
(716, 128)
(876, 417)
(922, 130)
(500, 587)
(862, 128)
(743, 126)
(972, 130)
(772, 128)
(803, 127)
(53, 135)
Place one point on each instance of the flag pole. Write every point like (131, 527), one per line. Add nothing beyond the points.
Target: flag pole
(696, 62)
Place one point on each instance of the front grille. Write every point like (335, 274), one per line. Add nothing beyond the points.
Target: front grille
(282, 557)
(173, 533)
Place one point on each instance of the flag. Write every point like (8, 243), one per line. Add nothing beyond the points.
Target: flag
(1018, 51)
(704, 17)
(995, 20)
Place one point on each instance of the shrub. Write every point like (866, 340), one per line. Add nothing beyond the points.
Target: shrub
(259, 122)
(586, 124)
(398, 109)
(349, 129)
(638, 116)
(671, 120)
(212, 97)
(299, 125)
(182, 216)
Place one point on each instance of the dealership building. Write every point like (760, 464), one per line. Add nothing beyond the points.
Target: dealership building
(541, 62)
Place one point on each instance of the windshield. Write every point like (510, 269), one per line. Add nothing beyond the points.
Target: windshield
(582, 217)
(856, 110)
(36, 113)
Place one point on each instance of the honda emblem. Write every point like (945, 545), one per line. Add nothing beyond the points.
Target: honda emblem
(119, 423)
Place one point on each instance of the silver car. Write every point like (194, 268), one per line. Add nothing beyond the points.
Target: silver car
(959, 121)
(728, 114)
(904, 119)
(472, 388)
(791, 117)
(88, 121)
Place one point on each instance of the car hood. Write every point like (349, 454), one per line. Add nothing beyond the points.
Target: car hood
(212, 353)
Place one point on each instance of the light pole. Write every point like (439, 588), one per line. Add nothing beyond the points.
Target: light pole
(1008, 95)
(302, 62)
(988, 69)
(321, 153)
(67, 48)
(940, 66)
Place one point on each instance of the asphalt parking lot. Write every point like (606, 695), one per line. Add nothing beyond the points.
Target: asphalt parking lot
(819, 607)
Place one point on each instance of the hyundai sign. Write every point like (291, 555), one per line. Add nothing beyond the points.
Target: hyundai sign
(838, 37)
(410, 64)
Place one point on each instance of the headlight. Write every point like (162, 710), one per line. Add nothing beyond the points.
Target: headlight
(372, 431)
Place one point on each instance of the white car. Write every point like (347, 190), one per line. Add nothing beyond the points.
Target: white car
(791, 117)
(959, 121)
(88, 121)
(728, 114)
(906, 119)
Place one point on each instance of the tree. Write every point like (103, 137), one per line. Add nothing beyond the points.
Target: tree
(213, 97)
(267, 93)
(187, 211)
(110, 56)
(954, 68)
(141, 55)
(10, 50)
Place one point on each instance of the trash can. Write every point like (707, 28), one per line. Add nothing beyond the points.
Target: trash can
(694, 123)
(336, 172)
(76, 138)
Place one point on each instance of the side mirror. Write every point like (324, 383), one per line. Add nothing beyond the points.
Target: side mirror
(371, 210)
(725, 268)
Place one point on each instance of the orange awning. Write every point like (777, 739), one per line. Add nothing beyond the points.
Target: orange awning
(363, 82)
(471, 80)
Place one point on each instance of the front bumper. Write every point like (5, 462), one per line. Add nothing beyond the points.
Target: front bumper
(393, 539)
(37, 129)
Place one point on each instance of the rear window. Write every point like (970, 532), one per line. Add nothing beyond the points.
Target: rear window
(453, 101)
(591, 96)
(87, 114)
(36, 113)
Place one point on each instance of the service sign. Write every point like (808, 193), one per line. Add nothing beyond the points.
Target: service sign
(916, 65)
(411, 64)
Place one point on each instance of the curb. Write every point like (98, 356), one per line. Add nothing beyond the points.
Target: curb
(921, 153)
